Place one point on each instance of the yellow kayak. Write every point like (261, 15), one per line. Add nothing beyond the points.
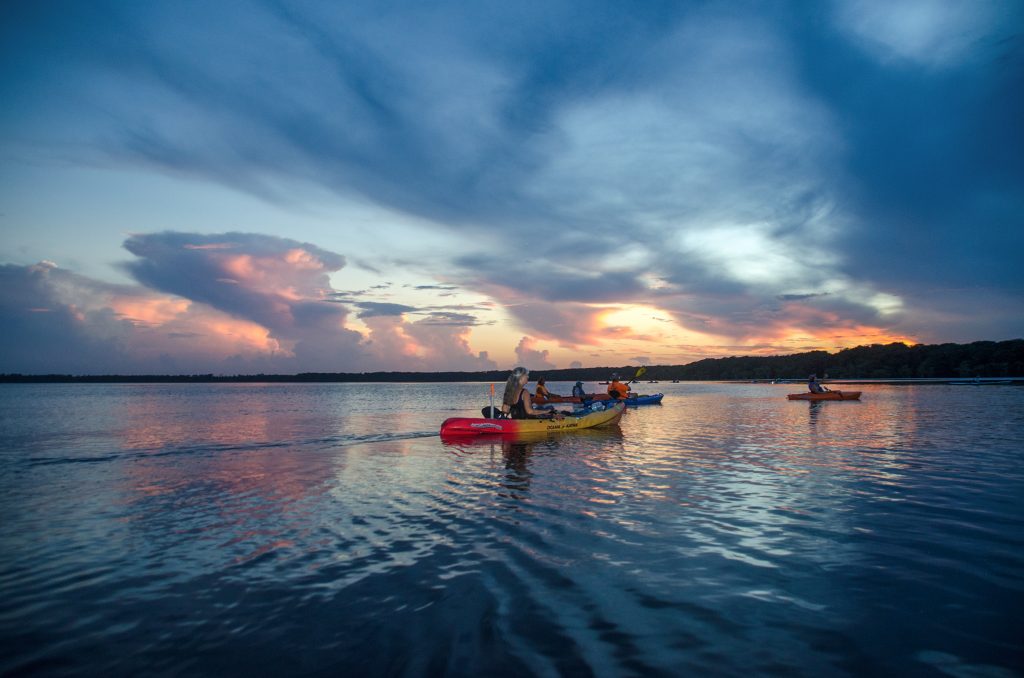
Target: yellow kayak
(473, 426)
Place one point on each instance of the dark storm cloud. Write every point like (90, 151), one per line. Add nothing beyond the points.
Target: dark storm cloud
(435, 315)
(244, 274)
(372, 309)
(552, 281)
(801, 297)
(42, 332)
(933, 141)
(444, 288)
(277, 283)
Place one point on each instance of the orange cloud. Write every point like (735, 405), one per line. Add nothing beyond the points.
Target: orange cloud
(149, 310)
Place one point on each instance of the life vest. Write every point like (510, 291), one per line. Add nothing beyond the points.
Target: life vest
(618, 389)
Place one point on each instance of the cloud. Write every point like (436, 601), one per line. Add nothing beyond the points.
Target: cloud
(278, 284)
(801, 297)
(273, 316)
(446, 288)
(58, 321)
(442, 318)
(919, 31)
(445, 346)
(372, 308)
(711, 162)
(530, 357)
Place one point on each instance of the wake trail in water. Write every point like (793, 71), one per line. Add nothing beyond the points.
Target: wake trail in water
(209, 449)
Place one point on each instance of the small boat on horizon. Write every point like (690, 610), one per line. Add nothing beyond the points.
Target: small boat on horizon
(977, 381)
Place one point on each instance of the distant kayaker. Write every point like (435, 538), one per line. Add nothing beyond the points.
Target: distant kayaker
(617, 389)
(577, 390)
(516, 402)
(542, 390)
(814, 386)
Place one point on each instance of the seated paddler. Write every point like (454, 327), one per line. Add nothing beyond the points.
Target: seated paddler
(618, 389)
(542, 390)
(516, 401)
(578, 392)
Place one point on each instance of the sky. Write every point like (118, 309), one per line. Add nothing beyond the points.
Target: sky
(281, 187)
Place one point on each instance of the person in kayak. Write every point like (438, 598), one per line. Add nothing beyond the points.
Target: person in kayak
(813, 386)
(577, 390)
(542, 390)
(617, 389)
(516, 400)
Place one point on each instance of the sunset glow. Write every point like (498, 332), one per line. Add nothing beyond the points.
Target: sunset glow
(709, 182)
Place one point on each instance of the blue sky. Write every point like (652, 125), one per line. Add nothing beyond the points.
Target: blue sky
(263, 186)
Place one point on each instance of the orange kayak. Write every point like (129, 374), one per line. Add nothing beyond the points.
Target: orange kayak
(541, 400)
(828, 395)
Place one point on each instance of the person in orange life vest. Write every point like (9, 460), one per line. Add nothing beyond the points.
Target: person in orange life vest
(542, 390)
(617, 389)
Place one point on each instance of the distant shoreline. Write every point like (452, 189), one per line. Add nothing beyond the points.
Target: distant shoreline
(299, 379)
(899, 363)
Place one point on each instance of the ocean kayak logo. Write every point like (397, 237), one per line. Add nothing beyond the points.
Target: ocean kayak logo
(487, 426)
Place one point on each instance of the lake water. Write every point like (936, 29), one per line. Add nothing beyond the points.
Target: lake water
(238, 529)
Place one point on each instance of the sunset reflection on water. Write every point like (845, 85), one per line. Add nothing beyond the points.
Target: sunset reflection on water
(330, 521)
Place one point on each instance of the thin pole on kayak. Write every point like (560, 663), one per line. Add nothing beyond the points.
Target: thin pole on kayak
(492, 401)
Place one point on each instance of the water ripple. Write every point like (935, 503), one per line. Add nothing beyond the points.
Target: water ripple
(295, 530)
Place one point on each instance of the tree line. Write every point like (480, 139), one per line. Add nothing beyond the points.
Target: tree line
(877, 361)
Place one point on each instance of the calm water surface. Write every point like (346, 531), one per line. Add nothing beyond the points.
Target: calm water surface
(325, 529)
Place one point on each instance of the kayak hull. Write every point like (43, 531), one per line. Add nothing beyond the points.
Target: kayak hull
(541, 400)
(830, 395)
(475, 426)
(652, 399)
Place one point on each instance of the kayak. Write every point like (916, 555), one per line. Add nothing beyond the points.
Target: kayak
(653, 399)
(541, 400)
(828, 395)
(472, 426)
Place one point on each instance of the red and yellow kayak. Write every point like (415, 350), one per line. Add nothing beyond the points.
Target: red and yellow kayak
(474, 426)
(828, 395)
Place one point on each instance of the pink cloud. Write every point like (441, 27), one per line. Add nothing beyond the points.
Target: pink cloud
(530, 357)
(217, 303)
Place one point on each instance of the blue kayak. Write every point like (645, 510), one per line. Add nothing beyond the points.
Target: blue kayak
(653, 399)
